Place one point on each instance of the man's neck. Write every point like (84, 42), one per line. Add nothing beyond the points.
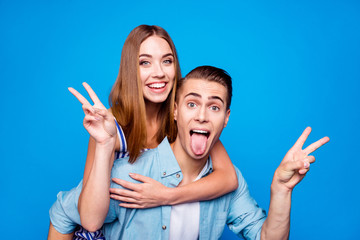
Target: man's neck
(190, 167)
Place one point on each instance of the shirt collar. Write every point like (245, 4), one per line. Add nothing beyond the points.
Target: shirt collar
(209, 168)
(168, 162)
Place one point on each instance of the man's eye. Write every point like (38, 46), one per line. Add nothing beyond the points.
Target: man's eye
(191, 104)
(215, 108)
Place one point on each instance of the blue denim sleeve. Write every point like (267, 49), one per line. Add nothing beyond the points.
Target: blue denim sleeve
(245, 217)
(64, 214)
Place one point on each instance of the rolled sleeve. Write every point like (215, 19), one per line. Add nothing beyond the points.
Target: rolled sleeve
(245, 216)
(64, 214)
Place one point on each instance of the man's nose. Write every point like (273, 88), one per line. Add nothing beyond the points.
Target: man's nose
(202, 115)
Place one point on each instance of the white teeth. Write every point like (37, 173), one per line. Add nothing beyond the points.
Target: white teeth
(200, 131)
(157, 85)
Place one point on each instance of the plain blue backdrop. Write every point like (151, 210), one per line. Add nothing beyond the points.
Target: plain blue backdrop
(294, 64)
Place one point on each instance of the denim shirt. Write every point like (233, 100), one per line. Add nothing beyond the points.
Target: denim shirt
(236, 209)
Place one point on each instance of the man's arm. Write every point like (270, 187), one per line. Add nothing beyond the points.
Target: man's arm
(55, 235)
(291, 171)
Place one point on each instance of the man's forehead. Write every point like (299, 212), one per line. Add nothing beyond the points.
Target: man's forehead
(200, 87)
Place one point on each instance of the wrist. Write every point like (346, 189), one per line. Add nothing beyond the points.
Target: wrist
(279, 189)
(106, 144)
(170, 196)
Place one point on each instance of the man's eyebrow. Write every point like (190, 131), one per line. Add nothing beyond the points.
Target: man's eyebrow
(210, 98)
(216, 97)
(149, 56)
(193, 94)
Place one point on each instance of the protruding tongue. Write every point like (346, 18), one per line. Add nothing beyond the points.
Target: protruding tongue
(198, 143)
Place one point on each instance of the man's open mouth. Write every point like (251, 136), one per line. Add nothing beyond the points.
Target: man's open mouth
(198, 141)
(203, 132)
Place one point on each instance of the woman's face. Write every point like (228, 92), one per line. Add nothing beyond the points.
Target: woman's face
(157, 69)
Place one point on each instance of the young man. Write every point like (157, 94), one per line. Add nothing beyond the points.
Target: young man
(202, 111)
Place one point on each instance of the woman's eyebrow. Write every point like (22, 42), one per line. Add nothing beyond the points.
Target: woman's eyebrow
(167, 55)
(150, 56)
(145, 55)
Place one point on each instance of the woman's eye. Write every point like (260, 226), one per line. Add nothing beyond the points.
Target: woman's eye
(144, 62)
(191, 104)
(168, 61)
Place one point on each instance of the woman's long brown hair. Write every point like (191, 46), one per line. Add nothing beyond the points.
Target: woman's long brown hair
(126, 98)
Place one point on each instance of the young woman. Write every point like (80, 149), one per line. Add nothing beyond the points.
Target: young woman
(141, 101)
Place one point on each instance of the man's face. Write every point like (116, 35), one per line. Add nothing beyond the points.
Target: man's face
(201, 115)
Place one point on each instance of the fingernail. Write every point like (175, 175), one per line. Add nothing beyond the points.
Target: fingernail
(306, 164)
(131, 174)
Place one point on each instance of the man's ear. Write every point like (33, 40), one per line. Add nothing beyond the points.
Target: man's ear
(227, 117)
(175, 111)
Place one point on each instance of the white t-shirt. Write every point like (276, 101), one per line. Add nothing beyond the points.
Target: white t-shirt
(185, 217)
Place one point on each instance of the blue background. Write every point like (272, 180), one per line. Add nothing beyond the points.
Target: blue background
(294, 64)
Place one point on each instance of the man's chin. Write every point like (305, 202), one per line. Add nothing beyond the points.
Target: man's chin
(201, 156)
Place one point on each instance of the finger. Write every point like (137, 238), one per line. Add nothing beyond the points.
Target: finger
(126, 184)
(130, 205)
(123, 199)
(88, 109)
(307, 161)
(296, 165)
(92, 94)
(140, 178)
(299, 155)
(301, 140)
(123, 193)
(79, 97)
(311, 148)
(310, 159)
(102, 112)
(89, 119)
(303, 171)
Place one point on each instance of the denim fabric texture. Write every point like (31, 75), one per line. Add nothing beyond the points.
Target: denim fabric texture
(237, 209)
